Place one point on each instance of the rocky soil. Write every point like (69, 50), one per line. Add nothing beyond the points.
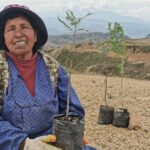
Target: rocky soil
(136, 98)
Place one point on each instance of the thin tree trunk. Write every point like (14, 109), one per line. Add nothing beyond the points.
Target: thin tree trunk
(105, 90)
(68, 94)
(122, 72)
(69, 90)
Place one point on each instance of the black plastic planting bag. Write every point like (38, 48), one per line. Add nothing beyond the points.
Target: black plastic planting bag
(69, 132)
(106, 114)
(121, 118)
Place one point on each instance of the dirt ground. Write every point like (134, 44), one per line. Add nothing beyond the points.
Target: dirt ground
(136, 98)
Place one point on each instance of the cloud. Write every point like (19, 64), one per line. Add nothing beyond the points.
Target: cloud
(137, 8)
(38, 5)
(88, 4)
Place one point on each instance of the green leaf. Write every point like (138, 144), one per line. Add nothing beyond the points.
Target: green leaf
(66, 25)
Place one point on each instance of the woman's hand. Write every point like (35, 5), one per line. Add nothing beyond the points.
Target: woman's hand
(41, 143)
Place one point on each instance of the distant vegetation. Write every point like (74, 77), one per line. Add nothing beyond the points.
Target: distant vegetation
(91, 62)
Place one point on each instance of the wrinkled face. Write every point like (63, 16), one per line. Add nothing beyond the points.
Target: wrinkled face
(19, 37)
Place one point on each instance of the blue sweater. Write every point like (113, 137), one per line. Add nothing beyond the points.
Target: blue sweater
(26, 116)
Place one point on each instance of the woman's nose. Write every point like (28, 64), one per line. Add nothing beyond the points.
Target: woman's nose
(18, 33)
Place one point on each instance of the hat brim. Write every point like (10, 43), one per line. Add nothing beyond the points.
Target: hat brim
(33, 18)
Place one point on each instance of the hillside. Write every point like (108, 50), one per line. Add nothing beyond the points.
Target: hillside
(139, 42)
(148, 36)
(80, 38)
(87, 58)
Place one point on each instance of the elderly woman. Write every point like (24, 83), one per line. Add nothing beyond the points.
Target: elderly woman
(35, 91)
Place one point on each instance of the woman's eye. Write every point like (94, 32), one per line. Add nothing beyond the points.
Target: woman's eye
(26, 27)
(10, 29)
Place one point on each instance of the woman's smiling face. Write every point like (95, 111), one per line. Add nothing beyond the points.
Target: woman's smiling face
(20, 37)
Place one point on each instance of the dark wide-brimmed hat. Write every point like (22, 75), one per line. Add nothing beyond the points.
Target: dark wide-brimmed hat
(32, 17)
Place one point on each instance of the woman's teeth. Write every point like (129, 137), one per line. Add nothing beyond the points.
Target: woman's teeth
(20, 43)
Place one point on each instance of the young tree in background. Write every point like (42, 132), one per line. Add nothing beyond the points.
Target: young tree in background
(72, 25)
(117, 45)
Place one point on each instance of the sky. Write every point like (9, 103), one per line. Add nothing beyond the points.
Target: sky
(134, 8)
